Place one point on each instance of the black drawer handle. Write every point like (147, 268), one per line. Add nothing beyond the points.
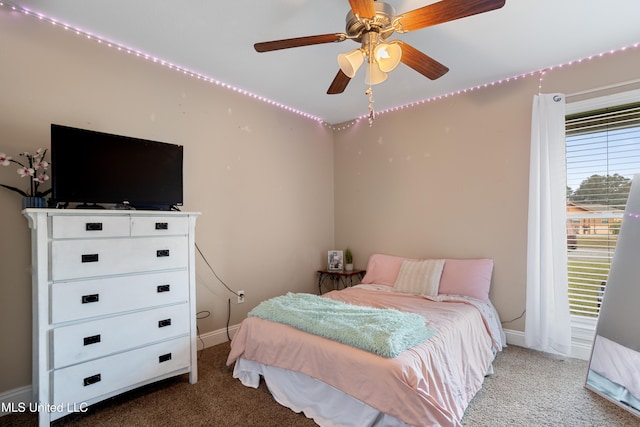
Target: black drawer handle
(87, 299)
(164, 358)
(162, 225)
(93, 226)
(164, 288)
(90, 258)
(162, 253)
(92, 340)
(92, 379)
(163, 323)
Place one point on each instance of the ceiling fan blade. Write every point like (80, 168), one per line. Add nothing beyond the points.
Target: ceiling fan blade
(363, 8)
(444, 11)
(422, 63)
(339, 83)
(298, 42)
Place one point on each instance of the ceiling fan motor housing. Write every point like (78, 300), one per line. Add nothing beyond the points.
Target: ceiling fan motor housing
(357, 26)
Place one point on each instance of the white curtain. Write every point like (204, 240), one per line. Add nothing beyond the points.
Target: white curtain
(547, 326)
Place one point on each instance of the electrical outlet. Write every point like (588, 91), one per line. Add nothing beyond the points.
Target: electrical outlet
(240, 297)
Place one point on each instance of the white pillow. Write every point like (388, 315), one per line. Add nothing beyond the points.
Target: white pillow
(419, 277)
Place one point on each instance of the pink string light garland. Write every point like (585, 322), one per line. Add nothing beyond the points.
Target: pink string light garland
(541, 73)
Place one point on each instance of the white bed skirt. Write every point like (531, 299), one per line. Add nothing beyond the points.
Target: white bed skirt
(326, 405)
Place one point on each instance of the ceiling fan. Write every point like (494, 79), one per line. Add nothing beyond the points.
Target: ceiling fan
(371, 23)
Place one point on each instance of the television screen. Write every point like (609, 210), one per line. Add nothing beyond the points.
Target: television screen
(89, 167)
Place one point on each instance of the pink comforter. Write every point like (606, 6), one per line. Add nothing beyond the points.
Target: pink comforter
(430, 384)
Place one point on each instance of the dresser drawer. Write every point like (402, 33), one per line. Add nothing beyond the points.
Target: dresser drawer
(99, 297)
(159, 226)
(69, 227)
(90, 340)
(74, 259)
(88, 380)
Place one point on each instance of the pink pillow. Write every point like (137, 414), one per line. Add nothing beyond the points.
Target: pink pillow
(383, 269)
(468, 277)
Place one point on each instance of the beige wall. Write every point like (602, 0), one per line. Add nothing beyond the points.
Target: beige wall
(446, 179)
(450, 178)
(262, 177)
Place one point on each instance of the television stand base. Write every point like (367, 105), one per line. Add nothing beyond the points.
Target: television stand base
(89, 206)
(124, 206)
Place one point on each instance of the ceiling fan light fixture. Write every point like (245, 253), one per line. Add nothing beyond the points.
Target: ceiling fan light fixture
(374, 75)
(388, 56)
(350, 62)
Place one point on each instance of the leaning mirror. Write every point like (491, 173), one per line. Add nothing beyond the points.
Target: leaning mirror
(614, 368)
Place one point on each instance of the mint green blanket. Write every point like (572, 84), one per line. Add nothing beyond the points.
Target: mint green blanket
(386, 332)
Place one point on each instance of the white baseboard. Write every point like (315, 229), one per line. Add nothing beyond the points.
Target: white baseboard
(514, 337)
(11, 400)
(579, 350)
(212, 338)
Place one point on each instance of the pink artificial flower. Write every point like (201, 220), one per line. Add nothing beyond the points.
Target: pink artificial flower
(25, 172)
(35, 167)
(41, 178)
(41, 165)
(4, 159)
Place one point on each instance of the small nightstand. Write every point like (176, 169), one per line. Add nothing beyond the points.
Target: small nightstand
(338, 277)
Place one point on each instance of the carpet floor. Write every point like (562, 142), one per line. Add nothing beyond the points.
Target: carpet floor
(528, 388)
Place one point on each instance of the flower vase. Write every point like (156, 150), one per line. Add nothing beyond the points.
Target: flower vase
(33, 202)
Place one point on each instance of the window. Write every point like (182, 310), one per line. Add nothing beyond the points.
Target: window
(603, 154)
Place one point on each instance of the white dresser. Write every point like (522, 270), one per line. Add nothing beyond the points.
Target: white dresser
(113, 304)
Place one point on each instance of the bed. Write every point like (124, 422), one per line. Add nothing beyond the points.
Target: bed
(429, 384)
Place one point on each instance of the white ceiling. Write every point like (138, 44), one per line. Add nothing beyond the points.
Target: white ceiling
(215, 39)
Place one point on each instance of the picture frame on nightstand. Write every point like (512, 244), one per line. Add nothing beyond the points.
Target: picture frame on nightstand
(335, 261)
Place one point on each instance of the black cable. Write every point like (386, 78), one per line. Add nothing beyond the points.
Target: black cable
(201, 315)
(224, 284)
(207, 312)
(513, 320)
(228, 317)
(213, 271)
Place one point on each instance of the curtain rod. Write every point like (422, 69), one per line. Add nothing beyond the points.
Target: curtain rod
(599, 89)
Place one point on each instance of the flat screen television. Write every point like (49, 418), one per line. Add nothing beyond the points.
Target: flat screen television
(91, 169)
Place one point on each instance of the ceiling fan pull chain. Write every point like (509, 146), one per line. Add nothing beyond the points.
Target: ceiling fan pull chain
(372, 113)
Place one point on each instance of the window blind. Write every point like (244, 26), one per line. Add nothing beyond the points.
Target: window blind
(603, 154)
